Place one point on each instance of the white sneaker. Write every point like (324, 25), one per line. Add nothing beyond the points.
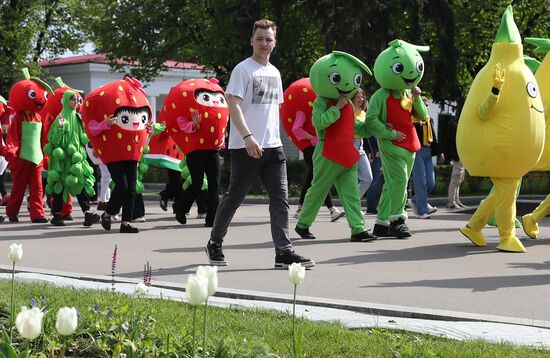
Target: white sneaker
(335, 214)
(297, 214)
(431, 209)
(141, 219)
(423, 216)
(201, 216)
(412, 206)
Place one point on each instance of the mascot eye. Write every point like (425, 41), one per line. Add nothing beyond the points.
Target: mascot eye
(79, 100)
(45, 95)
(125, 119)
(143, 118)
(532, 90)
(206, 97)
(357, 79)
(334, 78)
(397, 68)
(31, 94)
(420, 66)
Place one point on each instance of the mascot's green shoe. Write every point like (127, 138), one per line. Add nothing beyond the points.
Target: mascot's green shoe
(511, 245)
(530, 226)
(476, 237)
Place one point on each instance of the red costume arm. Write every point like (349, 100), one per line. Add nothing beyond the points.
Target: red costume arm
(13, 139)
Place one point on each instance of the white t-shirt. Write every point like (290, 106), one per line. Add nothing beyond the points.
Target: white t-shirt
(261, 89)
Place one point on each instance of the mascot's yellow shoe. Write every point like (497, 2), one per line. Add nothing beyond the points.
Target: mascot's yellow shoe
(511, 245)
(476, 237)
(530, 227)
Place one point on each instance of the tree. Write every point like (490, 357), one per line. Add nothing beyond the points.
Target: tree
(31, 30)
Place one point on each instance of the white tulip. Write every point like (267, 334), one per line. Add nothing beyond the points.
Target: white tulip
(67, 320)
(296, 273)
(197, 289)
(141, 289)
(29, 322)
(16, 253)
(211, 274)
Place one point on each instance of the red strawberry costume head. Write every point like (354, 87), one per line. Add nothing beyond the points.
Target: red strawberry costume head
(299, 96)
(127, 102)
(54, 104)
(205, 96)
(30, 94)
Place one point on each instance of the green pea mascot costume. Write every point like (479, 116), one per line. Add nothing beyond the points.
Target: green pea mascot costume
(68, 169)
(335, 78)
(397, 69)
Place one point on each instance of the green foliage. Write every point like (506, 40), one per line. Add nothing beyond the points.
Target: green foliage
(31, 30)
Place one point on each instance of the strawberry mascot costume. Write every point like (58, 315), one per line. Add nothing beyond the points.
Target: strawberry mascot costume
(23, 146)
(196, 115)
(117, 119)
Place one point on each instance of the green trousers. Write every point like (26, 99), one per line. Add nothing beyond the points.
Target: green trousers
(325, 174)
(397, 164)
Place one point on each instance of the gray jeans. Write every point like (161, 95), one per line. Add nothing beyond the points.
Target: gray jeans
(271, 168)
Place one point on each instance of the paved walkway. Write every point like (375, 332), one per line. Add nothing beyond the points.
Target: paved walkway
(435, 274)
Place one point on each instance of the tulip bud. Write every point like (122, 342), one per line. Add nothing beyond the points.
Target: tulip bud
(16, 253)
(29, 322)
(67, 320)
(197, 290)
(296, 273)
(141, 289)
(211, 274)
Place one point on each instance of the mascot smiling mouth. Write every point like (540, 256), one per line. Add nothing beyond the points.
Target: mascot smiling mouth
(536, 109)
(344, 92)
(409, 82)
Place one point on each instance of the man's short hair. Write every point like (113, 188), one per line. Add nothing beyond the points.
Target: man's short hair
(264, 24)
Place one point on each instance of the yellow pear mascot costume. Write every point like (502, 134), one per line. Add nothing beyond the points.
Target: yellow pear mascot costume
(542, 75)
(501, 133)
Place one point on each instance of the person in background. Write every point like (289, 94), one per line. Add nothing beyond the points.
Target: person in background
(363, 166)
(423, 175)
(375, 189)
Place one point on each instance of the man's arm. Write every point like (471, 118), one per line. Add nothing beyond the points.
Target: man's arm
(237, 118)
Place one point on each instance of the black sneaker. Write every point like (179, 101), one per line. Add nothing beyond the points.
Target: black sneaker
(40, 220)
(13, 219)
(2, 219)
(91, 218)
(106, 221)
(215, 254)
(181, 218)
(362, 237)
(57, 220)
(399, 229)
(128, 229)
(380, 230)
(67, 217)
(163, 203)
(304, 233)
(287, 258)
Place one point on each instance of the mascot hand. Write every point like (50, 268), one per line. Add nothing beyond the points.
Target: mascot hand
(498, 76)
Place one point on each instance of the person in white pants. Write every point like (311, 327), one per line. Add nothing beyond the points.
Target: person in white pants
(105, 191)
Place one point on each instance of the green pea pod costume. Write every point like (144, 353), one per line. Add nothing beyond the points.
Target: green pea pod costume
(69, 171)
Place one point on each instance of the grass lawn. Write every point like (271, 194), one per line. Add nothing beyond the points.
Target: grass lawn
(163, 328)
